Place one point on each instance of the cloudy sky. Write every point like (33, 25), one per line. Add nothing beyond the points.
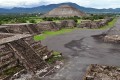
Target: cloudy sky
(86, 3)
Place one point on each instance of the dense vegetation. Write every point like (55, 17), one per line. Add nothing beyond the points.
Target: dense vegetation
(19, 18)
(35, 18)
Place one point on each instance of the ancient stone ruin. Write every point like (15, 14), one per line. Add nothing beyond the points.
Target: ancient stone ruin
(67, 24)
(112, 35)
(101, 72)
(19, 52)
(94, 24)
(8, 59)
(52, 26)
(28, 28)
(85, 24)
(65, 11)
(20, 28)
(47, 26)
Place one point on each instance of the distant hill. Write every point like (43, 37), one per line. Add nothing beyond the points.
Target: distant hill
(44, 9)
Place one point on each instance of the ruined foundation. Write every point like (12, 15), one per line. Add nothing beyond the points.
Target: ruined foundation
(21, 28)
(94, 24)
(21, 52)
(47, 26)
(112, 35)
(99, 72)
(67, 24)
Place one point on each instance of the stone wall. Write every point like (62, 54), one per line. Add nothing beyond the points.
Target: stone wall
(67, 24)
(102, 72)
(7, 60)
(112, 35)
(38, 48)
(47, 26)
(20, 28)
(94, 24)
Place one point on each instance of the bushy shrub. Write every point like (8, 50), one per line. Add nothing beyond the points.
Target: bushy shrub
(0, 22)
(32, 21)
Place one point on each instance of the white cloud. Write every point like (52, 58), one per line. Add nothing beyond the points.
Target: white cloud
(34, 3)
(19, 3)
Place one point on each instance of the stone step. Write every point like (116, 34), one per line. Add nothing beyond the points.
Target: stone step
(5, 53)
(46, 71)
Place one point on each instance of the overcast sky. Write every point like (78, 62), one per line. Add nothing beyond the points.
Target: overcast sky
(86, 3)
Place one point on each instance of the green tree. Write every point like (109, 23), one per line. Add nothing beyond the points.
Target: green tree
(49, 19)
(0, 22)
(76, 20)
(21, 21)
(32, 21)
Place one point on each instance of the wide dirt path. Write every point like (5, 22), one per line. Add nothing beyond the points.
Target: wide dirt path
(80, 50)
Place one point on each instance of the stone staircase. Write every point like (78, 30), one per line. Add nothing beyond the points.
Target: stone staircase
(37, 47)
(31, 58)
(7, 59)
(32, 61)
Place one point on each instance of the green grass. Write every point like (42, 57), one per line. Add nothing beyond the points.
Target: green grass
(51, 33)
(55, 57)
(57, 21)
(37, 20)
(55, 53)
(79, 21)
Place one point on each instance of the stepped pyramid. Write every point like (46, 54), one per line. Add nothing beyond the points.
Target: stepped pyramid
(65, 11)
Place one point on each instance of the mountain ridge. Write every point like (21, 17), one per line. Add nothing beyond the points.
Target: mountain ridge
(47, 8)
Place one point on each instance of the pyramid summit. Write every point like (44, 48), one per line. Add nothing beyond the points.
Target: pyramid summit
(65, 6)
(65, 11)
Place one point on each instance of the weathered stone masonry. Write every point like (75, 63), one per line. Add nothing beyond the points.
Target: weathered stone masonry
(20, 50)
(19, 28)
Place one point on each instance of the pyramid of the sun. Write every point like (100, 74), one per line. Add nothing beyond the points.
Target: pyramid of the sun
(65, 11)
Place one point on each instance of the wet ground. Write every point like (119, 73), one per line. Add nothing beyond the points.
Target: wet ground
(80, 49)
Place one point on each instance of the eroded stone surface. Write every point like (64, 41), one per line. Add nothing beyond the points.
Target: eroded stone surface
(65, 11)
(112, 35)
(101, 72)
(20, 51)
